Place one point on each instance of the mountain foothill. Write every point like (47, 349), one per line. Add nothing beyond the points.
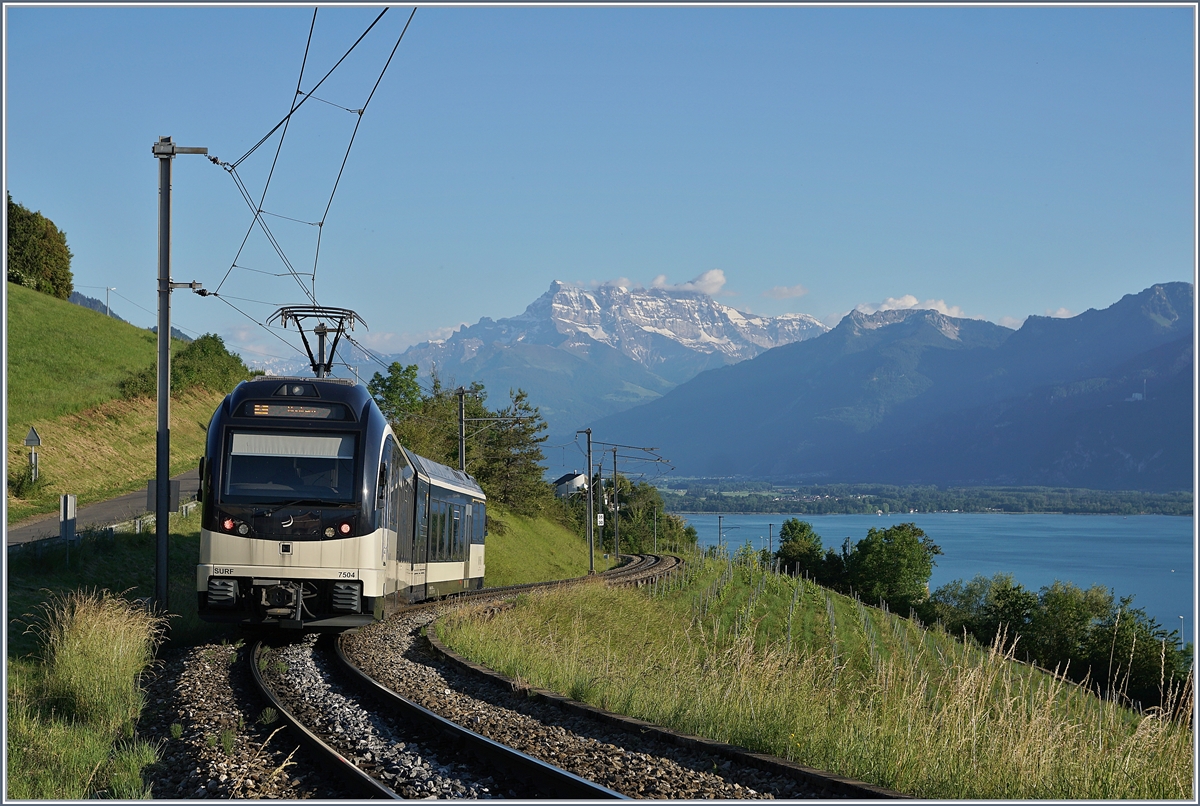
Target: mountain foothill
(1102, 400)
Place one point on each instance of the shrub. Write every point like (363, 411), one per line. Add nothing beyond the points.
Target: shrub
(204, 362)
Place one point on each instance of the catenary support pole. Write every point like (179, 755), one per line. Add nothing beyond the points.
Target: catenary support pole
(462, 428)
(162, 471)
(164, 151)
(591, 518)
(616, 513)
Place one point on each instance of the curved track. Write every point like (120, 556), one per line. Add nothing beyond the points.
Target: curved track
(525, 773)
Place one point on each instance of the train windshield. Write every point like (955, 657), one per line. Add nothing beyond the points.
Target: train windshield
(280, 466)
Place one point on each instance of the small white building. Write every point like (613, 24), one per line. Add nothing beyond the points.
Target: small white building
(570, 484)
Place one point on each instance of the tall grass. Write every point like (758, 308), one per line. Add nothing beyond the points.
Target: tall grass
(124, 562)
(857, 691)
(71, 716)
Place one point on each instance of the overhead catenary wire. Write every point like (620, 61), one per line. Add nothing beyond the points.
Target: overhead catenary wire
(266, 231)
(255, 321)
(296, 106)
(299, 98)
(232, 169)
(350, 145)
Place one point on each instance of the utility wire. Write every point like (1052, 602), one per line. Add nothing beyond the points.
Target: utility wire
(257, 210)
(175, 325)
(353, 135)
(297, 106)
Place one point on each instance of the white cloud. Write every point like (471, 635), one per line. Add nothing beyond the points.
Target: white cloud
(1061, 313)
(1011, 322)
(621, 282)
(786, 292)
(908, 301)
(710, 282)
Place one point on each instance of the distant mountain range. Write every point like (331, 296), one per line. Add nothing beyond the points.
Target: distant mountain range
(1100, 400)
(85, 301)
(582, 354)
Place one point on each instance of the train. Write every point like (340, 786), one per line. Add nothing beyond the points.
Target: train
(314, 516)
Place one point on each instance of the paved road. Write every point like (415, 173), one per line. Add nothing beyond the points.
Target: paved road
(100, 514)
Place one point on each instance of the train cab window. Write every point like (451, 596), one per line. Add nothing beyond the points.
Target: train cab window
(266, 466)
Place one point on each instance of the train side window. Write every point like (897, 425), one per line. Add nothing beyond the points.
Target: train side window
(479, 511)
(456, 533)
(437, 529)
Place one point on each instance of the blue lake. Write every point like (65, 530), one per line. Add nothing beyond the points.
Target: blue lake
(1151, 557)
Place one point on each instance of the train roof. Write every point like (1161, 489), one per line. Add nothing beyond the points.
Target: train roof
(444, 475)
(341, 390)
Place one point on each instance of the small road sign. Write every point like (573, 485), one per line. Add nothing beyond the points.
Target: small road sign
(32, 439)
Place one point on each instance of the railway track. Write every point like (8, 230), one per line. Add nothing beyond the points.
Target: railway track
(382, 745)
(392, 714)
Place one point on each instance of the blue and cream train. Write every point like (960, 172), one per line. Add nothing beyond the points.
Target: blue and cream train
(314, 516)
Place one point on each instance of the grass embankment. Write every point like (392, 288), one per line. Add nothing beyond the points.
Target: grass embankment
(785, 667)
(64, 358)
(521, 549)
(64, 366)
(108, 450)
(73, 694)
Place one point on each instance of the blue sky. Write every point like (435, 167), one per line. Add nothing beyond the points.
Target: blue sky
(997, 162)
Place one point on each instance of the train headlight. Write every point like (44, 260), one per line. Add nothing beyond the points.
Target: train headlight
(227, 524)
(243, 529)
(329, 531)
(344, 527)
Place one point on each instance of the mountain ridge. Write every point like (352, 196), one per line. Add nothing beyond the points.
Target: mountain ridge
(840, 406)
(585, 353)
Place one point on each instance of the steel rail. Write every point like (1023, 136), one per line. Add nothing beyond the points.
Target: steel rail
(338, 765)
(546, 779)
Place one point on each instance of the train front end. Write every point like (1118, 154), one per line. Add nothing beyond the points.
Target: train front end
(289, 534)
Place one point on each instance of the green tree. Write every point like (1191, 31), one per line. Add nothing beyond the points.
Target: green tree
(510, 467)
(894, 565)
(1009, 610)
(959, 605)
(38, 256)
(800, 549)
(397, 394)
(1064, 619)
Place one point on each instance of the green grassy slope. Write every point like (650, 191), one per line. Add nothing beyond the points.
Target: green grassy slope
(64, 366)
(64, 358)
(521, 549)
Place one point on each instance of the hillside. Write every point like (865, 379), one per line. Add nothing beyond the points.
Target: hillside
(917, 397)
(64, 364)
(521, 550)
(63, 358)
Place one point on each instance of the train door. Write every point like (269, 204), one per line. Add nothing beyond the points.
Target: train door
(420, 541)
